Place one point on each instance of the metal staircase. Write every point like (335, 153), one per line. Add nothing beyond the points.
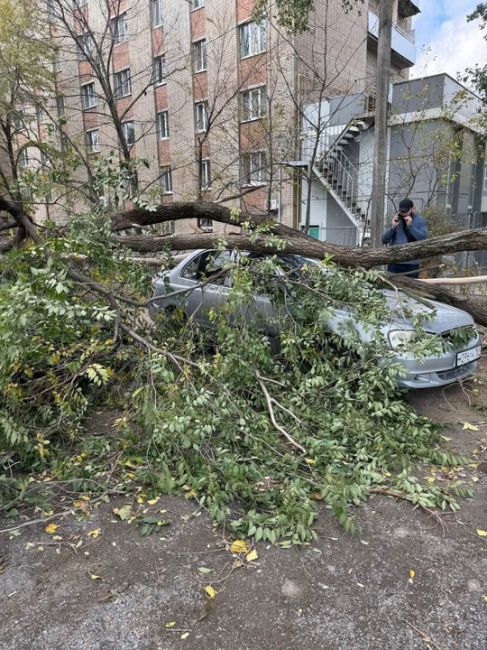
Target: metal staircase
(340, 176)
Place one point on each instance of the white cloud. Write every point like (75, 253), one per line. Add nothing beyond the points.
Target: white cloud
(454, 45)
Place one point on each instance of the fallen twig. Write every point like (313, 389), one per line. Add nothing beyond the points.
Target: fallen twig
(270, 400)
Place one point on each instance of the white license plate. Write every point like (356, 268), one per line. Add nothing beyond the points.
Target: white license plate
(469, 355)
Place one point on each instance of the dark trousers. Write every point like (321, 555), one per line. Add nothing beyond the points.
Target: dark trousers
(411, 270)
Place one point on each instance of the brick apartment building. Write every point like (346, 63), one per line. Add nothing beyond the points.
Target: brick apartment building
(211, 100)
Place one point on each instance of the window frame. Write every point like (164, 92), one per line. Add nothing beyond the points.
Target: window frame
(84, 105)
(198, 6)
(253, 169)
(200, 55)
(157, 16)
(85, 46)
(246, 114)
(204, 171)
(160, 121)
(165, 172)
(117, 36)
(117, 87)
(203, 105)
(159, 66)
(90, 144)
(23, 159)
(257, 33)
(125, 129)
(60, 105)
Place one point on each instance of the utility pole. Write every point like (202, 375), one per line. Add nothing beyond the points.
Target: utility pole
(377, 220)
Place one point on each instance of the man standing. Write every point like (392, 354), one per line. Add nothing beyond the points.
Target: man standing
(406, 226)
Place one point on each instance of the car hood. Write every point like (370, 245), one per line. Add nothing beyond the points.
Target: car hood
(446, 317)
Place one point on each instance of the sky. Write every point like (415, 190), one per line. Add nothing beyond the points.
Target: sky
(444, 39)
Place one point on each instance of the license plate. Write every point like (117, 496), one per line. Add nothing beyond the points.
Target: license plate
(469, 355)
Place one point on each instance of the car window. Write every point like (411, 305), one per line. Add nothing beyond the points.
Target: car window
(206, 265)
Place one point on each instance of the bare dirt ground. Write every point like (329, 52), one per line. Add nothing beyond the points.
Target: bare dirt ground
(406, 582)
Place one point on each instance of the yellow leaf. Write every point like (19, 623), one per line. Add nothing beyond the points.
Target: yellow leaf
(430, 479)
(51, 528)
(310, 461)
(81, 505)
(170, 624)
(252, 556)
(94, 577)
(469, 427)
(94, 533)
(412, 573)
(481, 533)
(239, 546)
(124, 513)
(57, 538)
(85, 497)
(152, 502)
(484, 598)
(190, 494)
(140, 500)
(210, 591)
(185, 635)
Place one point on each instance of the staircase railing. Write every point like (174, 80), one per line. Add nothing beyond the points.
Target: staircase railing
(342, 175)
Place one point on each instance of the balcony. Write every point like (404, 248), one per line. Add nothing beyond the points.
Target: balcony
(403, 43)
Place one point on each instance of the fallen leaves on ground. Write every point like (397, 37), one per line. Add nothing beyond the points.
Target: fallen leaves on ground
(481, 533)
(469, 427)
(239, 546)
(94, 534)
(51, 528)
(252, 556)
(211, 593)
(124, 513)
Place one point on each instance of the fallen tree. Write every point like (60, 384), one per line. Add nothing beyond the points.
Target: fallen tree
(258, 438)
(259, 234)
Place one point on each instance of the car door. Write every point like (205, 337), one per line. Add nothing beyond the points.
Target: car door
(210, 277)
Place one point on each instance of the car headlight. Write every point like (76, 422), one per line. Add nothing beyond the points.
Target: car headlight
(399, 338)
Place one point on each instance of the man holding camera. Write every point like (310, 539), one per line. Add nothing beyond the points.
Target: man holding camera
(406, 226)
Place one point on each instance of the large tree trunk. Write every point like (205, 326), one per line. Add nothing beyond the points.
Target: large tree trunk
(244, 236)
(294, 241)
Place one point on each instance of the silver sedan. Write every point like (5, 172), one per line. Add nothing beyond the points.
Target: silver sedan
(200, 283)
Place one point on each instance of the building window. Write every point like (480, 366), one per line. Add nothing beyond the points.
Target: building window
(205, 174)
(253, 103)
(253, 39)
(61, 110)
(93, 141)
(200, 56)
(254, 170)
(205, 224)
(159, 70)
(45, 162)
(165, 180)
(197, 4)
(40, 115)
(56, 62)
(51, 11)
(23, 159)
(157, 13)
(88, 95)
(79, 3)
(128, 131)
(201, 117)
(122, 83)
(485, 180)
(85, 47)
(163, 125)
(120, 28)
